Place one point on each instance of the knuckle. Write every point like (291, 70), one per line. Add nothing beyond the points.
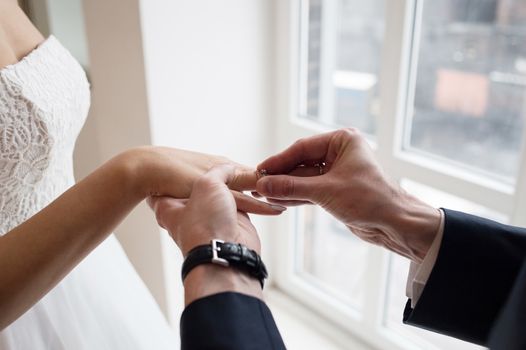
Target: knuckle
(298, 142)
(204, 182)
(348, 136)
(300, 145)
(350, 132)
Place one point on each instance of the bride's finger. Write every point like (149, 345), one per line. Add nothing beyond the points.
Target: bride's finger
(251, 205)
(244, 179)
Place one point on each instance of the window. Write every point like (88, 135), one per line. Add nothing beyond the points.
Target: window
(469, 96)
(343, 44)
(324, 246)
(440, 90)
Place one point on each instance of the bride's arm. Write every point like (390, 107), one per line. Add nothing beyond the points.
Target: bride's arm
(36, 255)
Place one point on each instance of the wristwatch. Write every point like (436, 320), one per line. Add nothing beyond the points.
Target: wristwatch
(228, 255)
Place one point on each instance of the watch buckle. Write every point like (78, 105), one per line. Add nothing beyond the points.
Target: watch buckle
(215, 249)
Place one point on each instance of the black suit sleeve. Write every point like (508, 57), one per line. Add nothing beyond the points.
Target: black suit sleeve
(229, 321)
(478, 266)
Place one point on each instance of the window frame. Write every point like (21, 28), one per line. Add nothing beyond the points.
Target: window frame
(398, 75)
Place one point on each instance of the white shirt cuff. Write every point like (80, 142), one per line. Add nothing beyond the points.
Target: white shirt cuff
(419, 273)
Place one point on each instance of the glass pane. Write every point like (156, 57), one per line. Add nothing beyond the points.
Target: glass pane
(470, 97)
(399, 267)
(341, 62)
(328, 247)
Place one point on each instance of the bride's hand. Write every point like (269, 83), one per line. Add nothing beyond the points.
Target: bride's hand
(163, 171)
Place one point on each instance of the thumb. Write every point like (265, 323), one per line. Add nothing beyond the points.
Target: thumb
(290, 187)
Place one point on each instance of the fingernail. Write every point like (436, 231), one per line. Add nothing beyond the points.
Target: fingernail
(278, 207)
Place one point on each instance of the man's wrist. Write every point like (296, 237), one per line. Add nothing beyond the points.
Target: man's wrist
(208, 279)
(415, 224)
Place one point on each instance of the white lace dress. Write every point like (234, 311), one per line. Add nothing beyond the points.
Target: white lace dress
(102, 303)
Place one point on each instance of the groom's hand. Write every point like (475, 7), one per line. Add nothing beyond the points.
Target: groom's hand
(338, 171)
(209, 213)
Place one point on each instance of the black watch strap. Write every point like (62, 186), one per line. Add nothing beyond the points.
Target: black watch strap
(226, 254)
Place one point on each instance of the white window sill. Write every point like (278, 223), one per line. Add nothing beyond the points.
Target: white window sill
(302, 328)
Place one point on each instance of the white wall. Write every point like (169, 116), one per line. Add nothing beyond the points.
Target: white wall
(207, 68)
(208, 65)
